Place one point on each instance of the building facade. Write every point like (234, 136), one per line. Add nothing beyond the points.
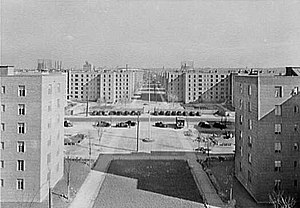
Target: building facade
(267, 132)
(32, 133)
(106, 86)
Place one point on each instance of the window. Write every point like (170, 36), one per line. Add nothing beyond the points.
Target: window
(277, 185)
(22, 90)
(250, 141)
(1, 182)
(2, 108)
(49, 89)
(277, 128)
(2, 126)
(296, 146)
(21, 109)
(249, 158)
(21, 128)
(240, 166)
(295, 183)
(241, 104)
(1, 145)
(241, 88)
(241, 135)
(277, 147)
(296, 109)
(295, 164)
(278, 91)
(20, 165)
(241, 150)
(20, 184)
(241, 119)
(249, 107)
(58, 87)
(1, 163)
(58, 103)
(20, 146)
(249, 90)
(277, 166)
(250, 124)
(277, 110)
(3, 91)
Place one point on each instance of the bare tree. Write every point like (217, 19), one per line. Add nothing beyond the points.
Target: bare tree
(279, 200)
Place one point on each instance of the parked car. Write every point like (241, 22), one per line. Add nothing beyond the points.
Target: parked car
(155, 113)
(204, 124)
(198, 113)
(179, 113)
(112, 113)
(67, 123)
(173, 113)
(161, 113)
(202, 149)
(131, 123)
(94, 113)
(133, 113)
(161, 124)
(100, 113)
(191, 113)
(219, 125)
(102, 124)
(184, 113)
(105, 113)
(119, 113)
(125, 113)
(138, 113)
(122, 125)
(168, 113)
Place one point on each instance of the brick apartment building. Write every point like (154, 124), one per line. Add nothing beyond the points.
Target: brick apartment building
(267, 132)
(106, 86)
(31, 134)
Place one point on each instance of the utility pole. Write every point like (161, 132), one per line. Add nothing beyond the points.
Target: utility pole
(149, 107)
(87, 101)
(137, 133)
(90, 152)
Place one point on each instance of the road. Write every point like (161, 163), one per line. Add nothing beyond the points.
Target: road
(144, 118)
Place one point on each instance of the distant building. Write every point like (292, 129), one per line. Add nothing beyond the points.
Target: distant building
(48, 65)
(267, 132)
(31, 134)
(107, 86)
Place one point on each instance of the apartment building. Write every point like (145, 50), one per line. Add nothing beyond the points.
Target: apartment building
(201, 85)
(106, 86)
(31, 134)
(267, 133)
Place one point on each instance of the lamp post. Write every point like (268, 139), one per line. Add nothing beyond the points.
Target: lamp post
(87, 101)
(137, 133)
(149, 106)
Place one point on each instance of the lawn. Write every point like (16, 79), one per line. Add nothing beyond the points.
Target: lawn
(168, 177)
(223, 172)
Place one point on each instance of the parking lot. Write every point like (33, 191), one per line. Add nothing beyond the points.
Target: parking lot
(114, 139)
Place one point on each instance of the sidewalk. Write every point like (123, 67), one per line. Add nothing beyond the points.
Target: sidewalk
(89, 190)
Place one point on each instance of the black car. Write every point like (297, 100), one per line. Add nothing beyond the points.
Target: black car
(161, 124)
(102, 124)
(168, 113)
(100, 113)
(125, 113)
(219, 125)
(179, 113)
(112, 113)
(131, 123)
(198, 113)
(184, 113)
(67, 123)
(155, 113)
(133, 113)
(204, 124)
(94, 113)
(119, 113)
(122, 125)
(173, 113)
(161, 113)
(192, 113)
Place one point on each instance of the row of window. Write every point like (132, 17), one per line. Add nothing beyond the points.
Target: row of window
(21, 90)
(20, 165)
(21, 109)
(20, 128)
(20, 183)
(20, 146)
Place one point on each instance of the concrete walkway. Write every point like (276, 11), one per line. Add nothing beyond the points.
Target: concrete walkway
(89, 190)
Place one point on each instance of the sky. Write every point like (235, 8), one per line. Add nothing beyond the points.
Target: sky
(151, 33)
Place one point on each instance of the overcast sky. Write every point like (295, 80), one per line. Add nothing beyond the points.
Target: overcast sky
(151, 33)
